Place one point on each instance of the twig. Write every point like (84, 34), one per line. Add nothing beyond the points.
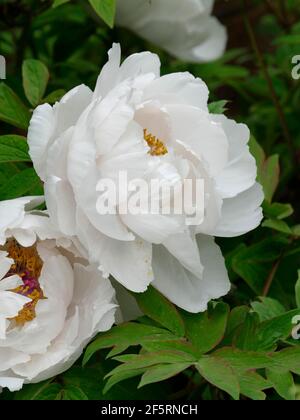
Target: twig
(271, 277)
(269, 81)
(278, 13)
(284, 12)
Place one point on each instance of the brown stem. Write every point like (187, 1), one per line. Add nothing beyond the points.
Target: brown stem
(271, 277)
(277, 12)
(269, 81)
(284, 12)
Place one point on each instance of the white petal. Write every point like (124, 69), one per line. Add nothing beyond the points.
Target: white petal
(138, 64)
(5, 264)
(82, 152)
(154, 228)
(109, 73)
(185, 30)
(108, 130)
(136, 12)
(181, 286)
(48, 123)
(92, 310)
(207, 42)
(128, 262)
(10, 283)
(12, 213)
(135, 65)
(108, 224)
(178, 88)
(56, 281)
(13, 384)
(70, 107)
(94, 297)
(57, 155)
(40, 132)
(240, 173)
(61, 205)
(205, 137)
(9, 358)
(10, 305)
(185, 249)
(241, 214)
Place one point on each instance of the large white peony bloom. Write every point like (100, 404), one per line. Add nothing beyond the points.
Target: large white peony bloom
(154, 128)
(185, 29)
(50, 305)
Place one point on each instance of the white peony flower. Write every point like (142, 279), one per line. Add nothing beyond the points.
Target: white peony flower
(185, 29)
(152, 127)
(51, 302)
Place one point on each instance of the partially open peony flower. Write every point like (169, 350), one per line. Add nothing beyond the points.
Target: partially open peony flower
(150, 127)
(50, 305)
(186, 29)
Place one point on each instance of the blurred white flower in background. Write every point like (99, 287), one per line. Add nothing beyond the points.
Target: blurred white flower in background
(52, 303)
(152, 127)
(184, 28)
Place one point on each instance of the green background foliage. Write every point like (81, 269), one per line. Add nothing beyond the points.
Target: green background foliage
(242, 346)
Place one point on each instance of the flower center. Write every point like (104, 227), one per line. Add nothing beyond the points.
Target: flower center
(28, 265)
(157, 147)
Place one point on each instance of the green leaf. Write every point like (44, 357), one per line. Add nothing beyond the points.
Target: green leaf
(268, 169)
(12, 109)
(161, 373)
(35, 80)
(254, 263)
(257, 151)
(278, 225)
(57, 3)
(218, 107)
(269, 176)
(278, 210)
(236, 317)
(291, 39)
(136, 364)
(283, 382)
(126, 335)
(296, 230)
(90, 380)
(220, 374)
(179, 345)
(121, 376)
(270, 332)
(137, 361)
(297, 290)
(206, 330)
(268, 308)
(264, 336)
(106, 9)
(241, 361)
(20, 184)
(157, 307)
(252, 385)
(288, 359)
(41, 391)
(73, 393)
(13, 149)
(54, 96)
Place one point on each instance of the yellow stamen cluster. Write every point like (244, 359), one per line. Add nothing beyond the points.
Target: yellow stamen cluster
(28, 312)
(28, 265)
(157, 147)
(25, 259)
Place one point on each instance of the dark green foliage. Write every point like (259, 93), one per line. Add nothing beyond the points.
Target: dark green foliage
(242, 346)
